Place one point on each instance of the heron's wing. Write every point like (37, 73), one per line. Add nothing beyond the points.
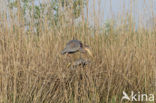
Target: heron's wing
(73, 46)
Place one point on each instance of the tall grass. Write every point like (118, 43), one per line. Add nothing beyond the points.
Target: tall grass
(33, 71)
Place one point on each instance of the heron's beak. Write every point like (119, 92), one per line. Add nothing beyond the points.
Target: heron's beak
(89, 52)
(69, 64)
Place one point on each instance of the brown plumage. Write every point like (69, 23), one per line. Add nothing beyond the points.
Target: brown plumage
(78, 63)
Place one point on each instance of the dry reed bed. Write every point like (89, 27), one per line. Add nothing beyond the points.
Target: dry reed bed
(33, 71)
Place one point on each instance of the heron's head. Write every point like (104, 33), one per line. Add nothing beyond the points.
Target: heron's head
(86, 48)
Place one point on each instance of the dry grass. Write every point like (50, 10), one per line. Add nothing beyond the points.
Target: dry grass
(33, 71)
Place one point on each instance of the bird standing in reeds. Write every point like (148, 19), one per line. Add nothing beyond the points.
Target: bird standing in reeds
(74, 46)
